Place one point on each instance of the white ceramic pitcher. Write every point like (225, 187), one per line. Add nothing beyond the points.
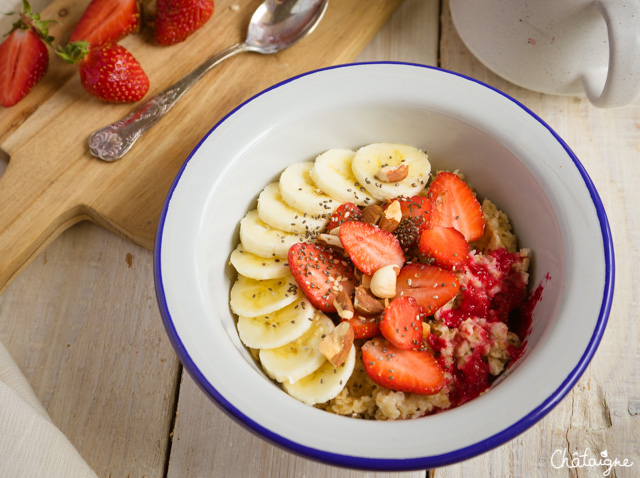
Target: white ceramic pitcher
(564, 47)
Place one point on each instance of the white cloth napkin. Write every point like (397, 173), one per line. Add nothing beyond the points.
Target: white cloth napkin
(31, 446)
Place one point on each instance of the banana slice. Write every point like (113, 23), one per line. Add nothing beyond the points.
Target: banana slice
(300, 192)
(253, 298)
(323, 384)
(332, 173)
(276, 213)
(370, 159)
(256, 267)
(299, 358)
(264, 241)
(277, 328)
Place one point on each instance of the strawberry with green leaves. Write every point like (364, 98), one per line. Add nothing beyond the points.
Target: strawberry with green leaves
(24, 58)
(107, 21)
(177, 19)
(109, 72)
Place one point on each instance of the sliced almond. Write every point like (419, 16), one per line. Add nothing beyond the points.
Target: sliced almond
(344, 305)
(363, 279)
(426, 330)
(329, 240)
(366, 281)
(367, 304)
(391, 217)
(383, 281)
(393, 174)
(336, 345)
(372, 214)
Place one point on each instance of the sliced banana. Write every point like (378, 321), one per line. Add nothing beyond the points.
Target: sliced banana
(256, 267)
(276, 213)
(370, 159)
(263, 240)
(300, 192)
(253, 298)
(323, 384)
(299, 358)
(332, 173)
(277, 328)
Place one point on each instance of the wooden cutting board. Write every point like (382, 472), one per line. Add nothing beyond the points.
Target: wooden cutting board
(52, 182)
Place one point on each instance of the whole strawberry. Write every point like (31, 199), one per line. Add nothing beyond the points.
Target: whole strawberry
(177, 19)
(109, 72)
(107, 21)
(23, 56)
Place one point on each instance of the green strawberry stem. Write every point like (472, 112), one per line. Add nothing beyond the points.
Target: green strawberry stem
(74, 53)
(30, 20)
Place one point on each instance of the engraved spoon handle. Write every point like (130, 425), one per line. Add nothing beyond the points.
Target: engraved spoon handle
(113, 141)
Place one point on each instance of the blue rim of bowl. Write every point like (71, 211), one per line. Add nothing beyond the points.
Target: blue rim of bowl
(389, 464)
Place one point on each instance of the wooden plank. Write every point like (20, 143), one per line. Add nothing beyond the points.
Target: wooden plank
(204, 437)
(601, 413)
(52, 181)
(83, 324)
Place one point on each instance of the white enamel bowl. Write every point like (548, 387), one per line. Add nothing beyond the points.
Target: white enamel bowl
(504, 150)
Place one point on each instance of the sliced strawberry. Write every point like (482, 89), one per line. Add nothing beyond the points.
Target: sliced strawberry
(345, 212)
(177, 19)
(320, 274)
(401, 323)
(364, 327)
(411, 371)
(109, 72)
(23, 61)
(430, 286)
(444, 247)
(369, 247)
(417, 208)
(23, 56)
(454, 205)
(106, 21)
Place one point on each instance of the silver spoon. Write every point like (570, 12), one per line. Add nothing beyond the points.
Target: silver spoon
(274, 26)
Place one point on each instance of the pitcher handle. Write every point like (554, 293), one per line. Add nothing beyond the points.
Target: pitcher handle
(622, 84)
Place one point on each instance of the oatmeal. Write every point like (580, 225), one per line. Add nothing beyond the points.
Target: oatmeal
(371, 288)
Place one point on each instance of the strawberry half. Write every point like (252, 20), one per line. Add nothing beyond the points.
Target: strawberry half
(177, 19)
(23, 56)
(444, 246)
(411, 371)
(345, 212)
(107, 21)
(401, 323)
(416, 208)
(109, 72)
(454, 205)
(369, 247)
(430, 286)
(364, 327)
(320, 274)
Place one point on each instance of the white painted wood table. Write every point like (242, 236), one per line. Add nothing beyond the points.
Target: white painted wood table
(83, 324)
